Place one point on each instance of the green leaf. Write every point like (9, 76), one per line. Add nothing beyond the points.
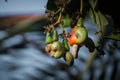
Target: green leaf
(92, 3)
(102, 18)
(98, 17)
(98, 21)
(114, 36)
(92, 15)
(66, 21)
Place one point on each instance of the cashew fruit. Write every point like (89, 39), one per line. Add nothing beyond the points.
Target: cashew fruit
(69, 58)
(78, 37)
(55, 35)
(48, 41)
(73, 39)
(80, 22)
(81, 34)
(49, 38)
(57, 49)
(48, 47)
(65, 44)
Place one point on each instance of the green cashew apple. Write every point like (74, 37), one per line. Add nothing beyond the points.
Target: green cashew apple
(81, 34)
(57, 49)
(48, 41)
(68, 57)
(55, 35)
(49, 38)
(65, 44)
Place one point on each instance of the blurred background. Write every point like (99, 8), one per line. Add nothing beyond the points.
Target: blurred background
(22, 42)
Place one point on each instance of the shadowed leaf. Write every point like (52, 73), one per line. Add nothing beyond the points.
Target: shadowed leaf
(114, 36)
(51, 5)
(98, 17)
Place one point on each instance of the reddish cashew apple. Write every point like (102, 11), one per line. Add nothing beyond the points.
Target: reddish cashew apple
(77, 38)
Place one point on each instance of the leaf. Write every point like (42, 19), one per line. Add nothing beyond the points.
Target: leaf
(92, 3)
(92, 15)
(89, 43)
(98, 17)
(72, 7)
(114, 36)
(102, 18)
(51, 5)
(66, 21)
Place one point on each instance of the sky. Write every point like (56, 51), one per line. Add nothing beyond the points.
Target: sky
(17, 7)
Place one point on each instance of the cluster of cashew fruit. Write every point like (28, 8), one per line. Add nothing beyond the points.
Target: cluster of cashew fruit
(53, 45)
(78, 38)
(58, 49)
